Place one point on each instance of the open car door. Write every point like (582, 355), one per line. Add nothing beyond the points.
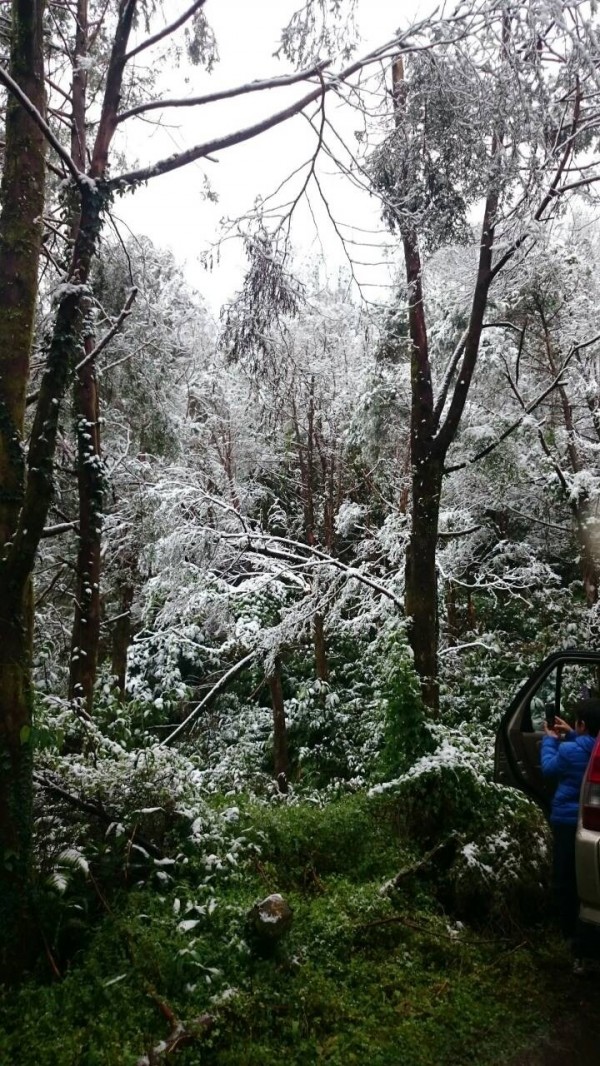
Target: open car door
(554, 688)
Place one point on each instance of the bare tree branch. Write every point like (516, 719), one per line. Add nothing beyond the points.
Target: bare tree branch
(33, 396)
(94, 810)
(167, 31)
(227, 94)
(511, 429)
(56, 531)
(106, 339)
(179, 159)
(556, 383)
(261, 542)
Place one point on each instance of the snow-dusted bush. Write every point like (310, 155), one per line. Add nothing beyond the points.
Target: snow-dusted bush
(143, 803)
(497, 840)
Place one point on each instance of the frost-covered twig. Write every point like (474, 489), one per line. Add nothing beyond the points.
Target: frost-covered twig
(260, 542)
(94, 810)
(56, 531)
(101, 345)
(166, 31)
(463, 647)
(226, 94)
(417, 866)
(114, 329)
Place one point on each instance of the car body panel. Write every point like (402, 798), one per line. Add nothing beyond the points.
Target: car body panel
(587, 859)
(587, 844)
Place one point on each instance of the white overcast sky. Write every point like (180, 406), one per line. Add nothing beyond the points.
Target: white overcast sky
(173, 210)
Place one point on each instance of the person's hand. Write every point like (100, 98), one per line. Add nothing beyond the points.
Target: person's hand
(551, 732)
(561, 727)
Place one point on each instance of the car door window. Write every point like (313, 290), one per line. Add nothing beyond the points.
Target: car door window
(578, 681)
(559, 692)
(543, 697)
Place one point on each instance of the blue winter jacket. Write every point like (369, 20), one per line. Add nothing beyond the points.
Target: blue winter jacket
(567, 760)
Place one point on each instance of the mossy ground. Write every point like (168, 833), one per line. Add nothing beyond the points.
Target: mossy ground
(359, 978)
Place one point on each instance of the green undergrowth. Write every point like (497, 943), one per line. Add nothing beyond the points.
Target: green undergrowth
(364, 975)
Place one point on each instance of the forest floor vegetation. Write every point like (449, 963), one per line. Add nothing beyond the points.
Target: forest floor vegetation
(369, 971)
(420, 930)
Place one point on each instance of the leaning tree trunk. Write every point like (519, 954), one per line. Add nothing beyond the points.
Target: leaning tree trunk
(22, 197)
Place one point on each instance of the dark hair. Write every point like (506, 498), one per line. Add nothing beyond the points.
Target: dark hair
(588, 712)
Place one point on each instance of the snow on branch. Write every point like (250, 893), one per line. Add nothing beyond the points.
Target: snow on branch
(166, 31)
(114, 329)
(258, 85)
(398, 44)
(262, 543)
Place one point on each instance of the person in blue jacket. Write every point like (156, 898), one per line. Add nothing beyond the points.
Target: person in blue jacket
(565, 753)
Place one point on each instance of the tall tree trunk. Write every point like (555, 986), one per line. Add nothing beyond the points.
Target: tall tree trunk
(587, 533)
(86, 617)
(421, 589)
(86, 620)
(420, 597)
(322, 666)
(430, 436)
(121, 637)
(25, 499)
(22, 197)
(280, 744)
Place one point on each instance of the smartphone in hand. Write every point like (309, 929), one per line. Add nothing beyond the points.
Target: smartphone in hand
(549, 715)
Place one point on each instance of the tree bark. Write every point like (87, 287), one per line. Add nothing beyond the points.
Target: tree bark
(588, 525)
(420, 575)
(421, 587)
(321, 664)
(431, 437)
(90, 482)
(22, 197)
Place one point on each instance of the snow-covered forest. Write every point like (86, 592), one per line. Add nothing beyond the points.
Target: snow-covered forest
(271, 573)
